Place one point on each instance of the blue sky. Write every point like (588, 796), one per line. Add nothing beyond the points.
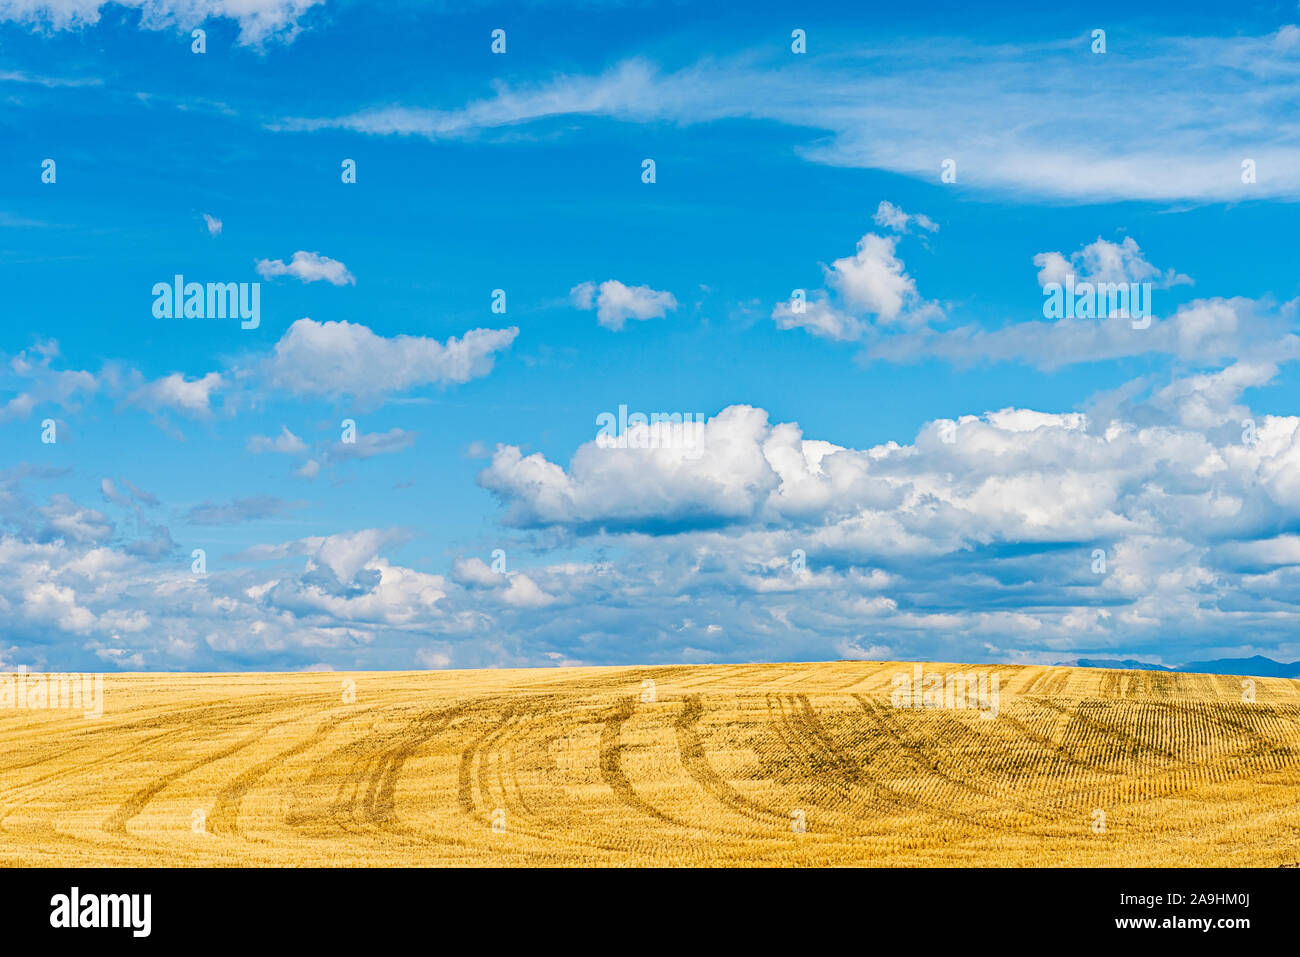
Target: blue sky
(919, 464)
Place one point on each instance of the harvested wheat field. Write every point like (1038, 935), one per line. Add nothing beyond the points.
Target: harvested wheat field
(776, 764)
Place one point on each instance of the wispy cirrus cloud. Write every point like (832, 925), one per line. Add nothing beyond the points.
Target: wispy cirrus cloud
(50, 82)
(259, 20)
(892, 217)
(1170, 109)
(1204, 330)
(236, 511)
(314, 457)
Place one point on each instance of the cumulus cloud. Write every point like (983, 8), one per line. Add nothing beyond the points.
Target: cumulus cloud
(616, 303)
(346, 579)
(819, 316)
(332, 358)
(155, 544)
(873, 279)
(66, 520)
(307, 267)
(329, 593)
(872, 290)
(34, 382)
(872, 300)
(311, 359)
(984, 528)
(178, 393)
(1108, 262)
(523, 592)
(512, 588)
(344, 553)
(213, 224)
(976, 539)
(474, 571)
(1209, 400)
(724, 483)
(56, 605)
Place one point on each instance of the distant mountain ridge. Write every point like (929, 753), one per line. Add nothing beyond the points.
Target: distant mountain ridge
(1257, 666)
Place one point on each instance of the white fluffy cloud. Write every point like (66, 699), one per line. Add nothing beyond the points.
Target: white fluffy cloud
(873, 278)
(983, 530)
(1104, 261)
(474, 571)
(175, 391)
(871, 288)
(307, 267)
(330, 592)
(37, 383)
(311, 359)
(68, 521)
(820, 317)
(873, 301)
(616, 303)
(978, 539)
(726, 482)
(513, 588)
(331, 358)
(930, 497)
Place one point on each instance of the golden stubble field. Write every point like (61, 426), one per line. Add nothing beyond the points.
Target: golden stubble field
(710, 765)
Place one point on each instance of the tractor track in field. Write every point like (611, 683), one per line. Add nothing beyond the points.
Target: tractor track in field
(474, 769)
(224, 817)
(611, 764)
(165, 724)
(468, 759)
(805, 734)
(364, 800)
(365, 795)
(691, 751)
(928, 760)
(116, 823)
